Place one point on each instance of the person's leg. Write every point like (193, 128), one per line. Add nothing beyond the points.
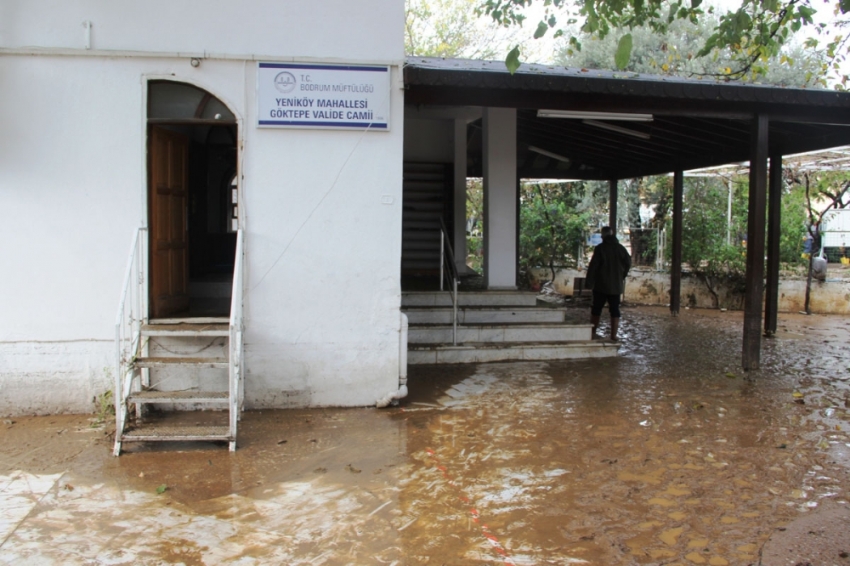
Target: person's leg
(614, 309)
(596, 311)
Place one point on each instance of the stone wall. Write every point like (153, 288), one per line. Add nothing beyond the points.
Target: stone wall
(649, 287)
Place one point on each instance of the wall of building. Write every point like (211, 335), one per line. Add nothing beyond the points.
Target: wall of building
(73, 186)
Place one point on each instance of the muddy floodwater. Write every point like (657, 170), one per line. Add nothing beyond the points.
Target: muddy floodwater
(669, 454)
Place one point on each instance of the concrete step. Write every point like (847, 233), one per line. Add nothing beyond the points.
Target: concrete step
(430, 225)
(495, 333)
(484, 315)
(478, 353)
(423, 235)
(480, 299)
(424, 192)
(186, 329)
(416, 245)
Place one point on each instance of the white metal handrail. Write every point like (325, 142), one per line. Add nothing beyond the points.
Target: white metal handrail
(237, 387)
(132, 315)
(447, 260)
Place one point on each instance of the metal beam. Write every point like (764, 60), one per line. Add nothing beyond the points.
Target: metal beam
(755, 244)
(691, 101)
(612, 204)
(676, 260)
(774, 213)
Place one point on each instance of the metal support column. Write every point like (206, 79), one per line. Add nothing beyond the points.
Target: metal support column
(612, 204)
(774, 218)
(676, 260)
(755, 244)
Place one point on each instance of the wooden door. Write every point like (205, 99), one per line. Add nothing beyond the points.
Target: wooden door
(168, 212)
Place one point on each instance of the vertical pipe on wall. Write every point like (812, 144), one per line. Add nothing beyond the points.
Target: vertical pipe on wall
(755, 244)
(676, 260)
(771, 305)
(729, 213)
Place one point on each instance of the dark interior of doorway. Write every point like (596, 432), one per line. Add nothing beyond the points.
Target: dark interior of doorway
(210, 217)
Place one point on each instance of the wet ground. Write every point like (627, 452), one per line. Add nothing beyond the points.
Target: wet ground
(669, 454)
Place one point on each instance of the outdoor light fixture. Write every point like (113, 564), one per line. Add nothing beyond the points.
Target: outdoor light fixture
(614, 128)
(625, 117)
(549, 154)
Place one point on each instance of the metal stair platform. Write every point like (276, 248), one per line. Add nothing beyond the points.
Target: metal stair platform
(153, 433)
(158, 328)
(185, 361)
(178, 397)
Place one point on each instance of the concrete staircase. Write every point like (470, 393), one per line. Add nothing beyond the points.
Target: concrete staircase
(425, 189)
(496, 326)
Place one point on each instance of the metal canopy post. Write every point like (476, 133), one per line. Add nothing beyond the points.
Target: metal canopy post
(612, 204)
(774, 212)
(676, 260)
(755, 244)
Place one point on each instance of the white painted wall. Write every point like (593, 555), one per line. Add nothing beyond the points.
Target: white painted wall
(73, 189)
(330, 29)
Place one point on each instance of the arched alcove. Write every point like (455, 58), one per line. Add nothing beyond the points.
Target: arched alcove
(192, 200)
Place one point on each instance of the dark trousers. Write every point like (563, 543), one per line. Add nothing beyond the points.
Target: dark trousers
(599, 301)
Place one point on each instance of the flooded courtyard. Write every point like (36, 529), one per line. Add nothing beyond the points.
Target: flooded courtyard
(669, 454)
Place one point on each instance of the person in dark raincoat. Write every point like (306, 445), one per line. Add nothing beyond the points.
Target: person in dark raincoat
(606, 275)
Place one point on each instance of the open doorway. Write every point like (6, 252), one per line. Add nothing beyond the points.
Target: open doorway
(192, 201)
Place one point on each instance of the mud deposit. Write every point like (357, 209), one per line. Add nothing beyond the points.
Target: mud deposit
(669, 454)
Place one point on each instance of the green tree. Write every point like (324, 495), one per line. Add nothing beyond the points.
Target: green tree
(453, 29)
(475, 224)
(553, 227)
(704, 246)
(823, 191)
(793, 226)
(676, 53)
(753, 33)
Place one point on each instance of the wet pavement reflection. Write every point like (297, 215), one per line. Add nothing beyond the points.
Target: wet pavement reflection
(669, 454)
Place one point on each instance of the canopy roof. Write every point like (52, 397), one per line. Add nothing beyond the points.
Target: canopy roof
(685, 123)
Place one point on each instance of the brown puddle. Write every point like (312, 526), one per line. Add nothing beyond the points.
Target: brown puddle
(669, 454)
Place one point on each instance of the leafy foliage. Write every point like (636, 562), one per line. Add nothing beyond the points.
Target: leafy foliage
(676, 53)
(453, 29)
(704, 248)
(475, 224)
(753, 33)
(552, 226)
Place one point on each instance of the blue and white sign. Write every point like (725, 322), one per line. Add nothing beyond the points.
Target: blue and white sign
(291, 95)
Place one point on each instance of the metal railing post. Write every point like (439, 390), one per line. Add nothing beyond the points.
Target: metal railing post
(442, 254)
(454, 313)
